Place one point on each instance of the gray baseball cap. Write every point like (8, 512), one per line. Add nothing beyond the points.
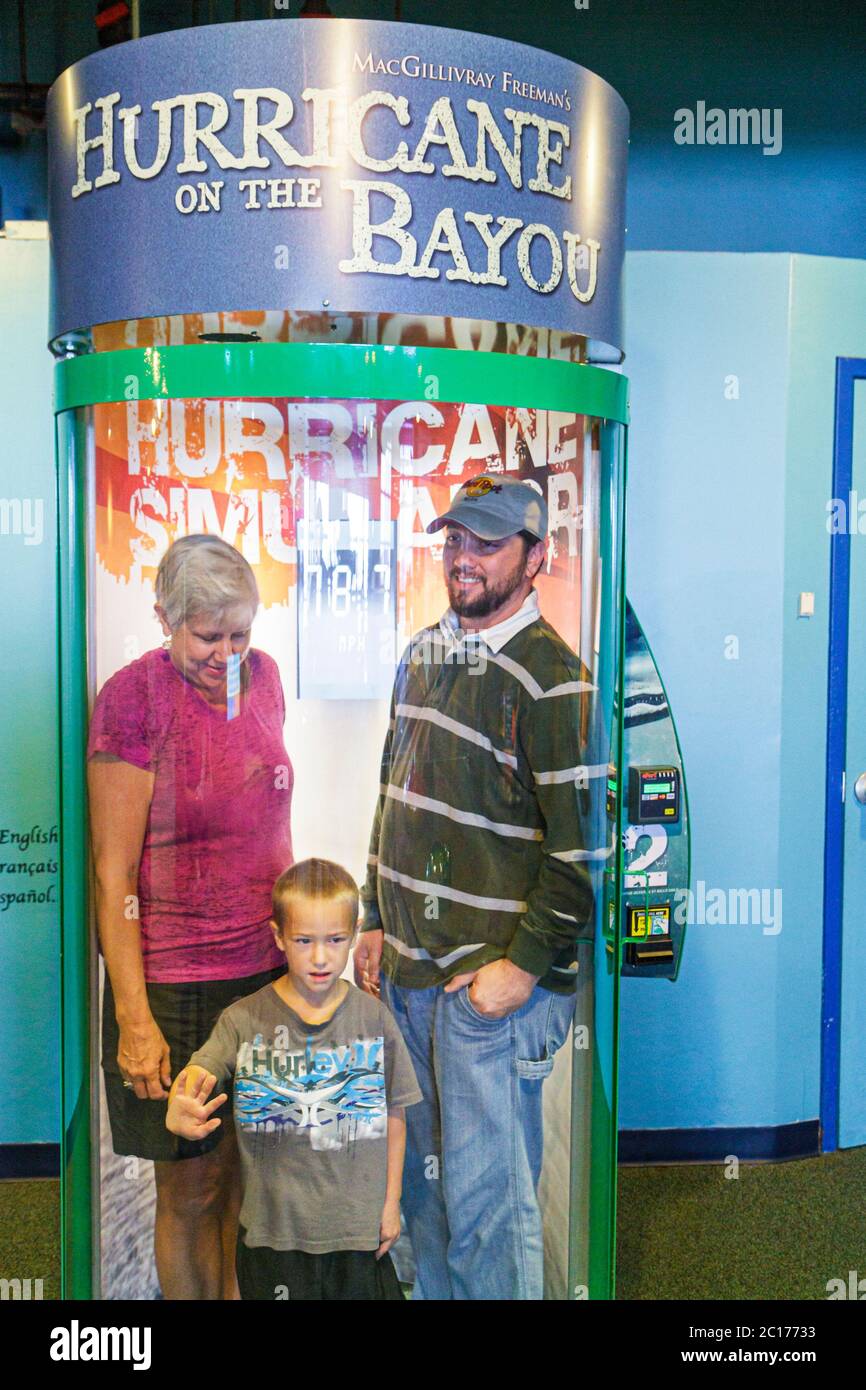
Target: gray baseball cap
(492, 506)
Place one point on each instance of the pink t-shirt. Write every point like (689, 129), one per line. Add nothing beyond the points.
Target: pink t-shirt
(218, 831)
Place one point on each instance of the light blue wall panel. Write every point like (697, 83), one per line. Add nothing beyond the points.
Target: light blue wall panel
(744, 486)
(828, 320)
(29, 931)
(707, 356)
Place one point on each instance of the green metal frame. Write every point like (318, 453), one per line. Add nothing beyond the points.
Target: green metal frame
(75, 1145)
(273, 370)
(351, 371)
(603, 1190)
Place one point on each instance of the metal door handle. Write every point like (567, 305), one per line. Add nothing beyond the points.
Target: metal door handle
(860, 788)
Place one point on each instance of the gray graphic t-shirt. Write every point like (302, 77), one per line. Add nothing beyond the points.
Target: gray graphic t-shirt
(311, 1110)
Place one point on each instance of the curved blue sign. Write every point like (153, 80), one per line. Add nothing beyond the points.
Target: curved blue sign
(354, 165)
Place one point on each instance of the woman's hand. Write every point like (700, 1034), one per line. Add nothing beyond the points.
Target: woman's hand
(144, 1058)
(120, 798)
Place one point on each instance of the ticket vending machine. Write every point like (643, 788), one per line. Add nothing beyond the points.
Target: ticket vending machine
(655, 835)
(342, 284)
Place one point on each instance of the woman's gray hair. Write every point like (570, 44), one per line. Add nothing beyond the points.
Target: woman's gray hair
(203, 574)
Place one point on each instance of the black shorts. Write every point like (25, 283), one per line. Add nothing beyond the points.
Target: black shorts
(340, 1276)
(186, 1013)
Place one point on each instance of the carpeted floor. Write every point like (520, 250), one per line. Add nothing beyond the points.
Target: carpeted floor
(779, 1230)
(684, 1231)
(30, 1232)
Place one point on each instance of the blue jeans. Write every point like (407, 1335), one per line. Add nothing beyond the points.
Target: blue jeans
(474, 1144)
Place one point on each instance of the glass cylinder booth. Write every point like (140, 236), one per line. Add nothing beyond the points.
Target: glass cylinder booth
(320, 446)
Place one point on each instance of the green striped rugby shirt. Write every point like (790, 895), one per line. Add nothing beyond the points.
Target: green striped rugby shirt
(490, 826)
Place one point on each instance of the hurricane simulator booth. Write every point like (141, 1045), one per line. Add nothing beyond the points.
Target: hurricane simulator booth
(308, 279)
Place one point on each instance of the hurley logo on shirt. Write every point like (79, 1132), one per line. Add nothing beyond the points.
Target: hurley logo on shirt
(336, 1094)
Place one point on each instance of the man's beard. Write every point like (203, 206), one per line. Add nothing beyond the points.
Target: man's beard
(491, 597)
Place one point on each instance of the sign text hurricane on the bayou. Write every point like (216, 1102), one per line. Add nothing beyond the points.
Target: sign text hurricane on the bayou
(472, 174)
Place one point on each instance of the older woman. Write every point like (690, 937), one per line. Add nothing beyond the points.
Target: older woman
(190, 797)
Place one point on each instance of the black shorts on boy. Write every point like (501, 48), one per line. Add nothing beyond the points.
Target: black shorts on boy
(339, 1276)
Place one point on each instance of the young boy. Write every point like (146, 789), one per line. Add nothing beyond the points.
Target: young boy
(321, 1078)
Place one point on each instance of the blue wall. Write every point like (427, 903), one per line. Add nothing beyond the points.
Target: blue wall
(739, 488)
(29, 932)
(828, 319)
(707, 473)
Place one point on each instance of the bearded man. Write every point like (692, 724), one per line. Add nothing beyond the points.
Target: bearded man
(477, 892)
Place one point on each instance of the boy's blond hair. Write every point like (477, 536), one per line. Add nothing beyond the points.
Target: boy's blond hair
(316, 879)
